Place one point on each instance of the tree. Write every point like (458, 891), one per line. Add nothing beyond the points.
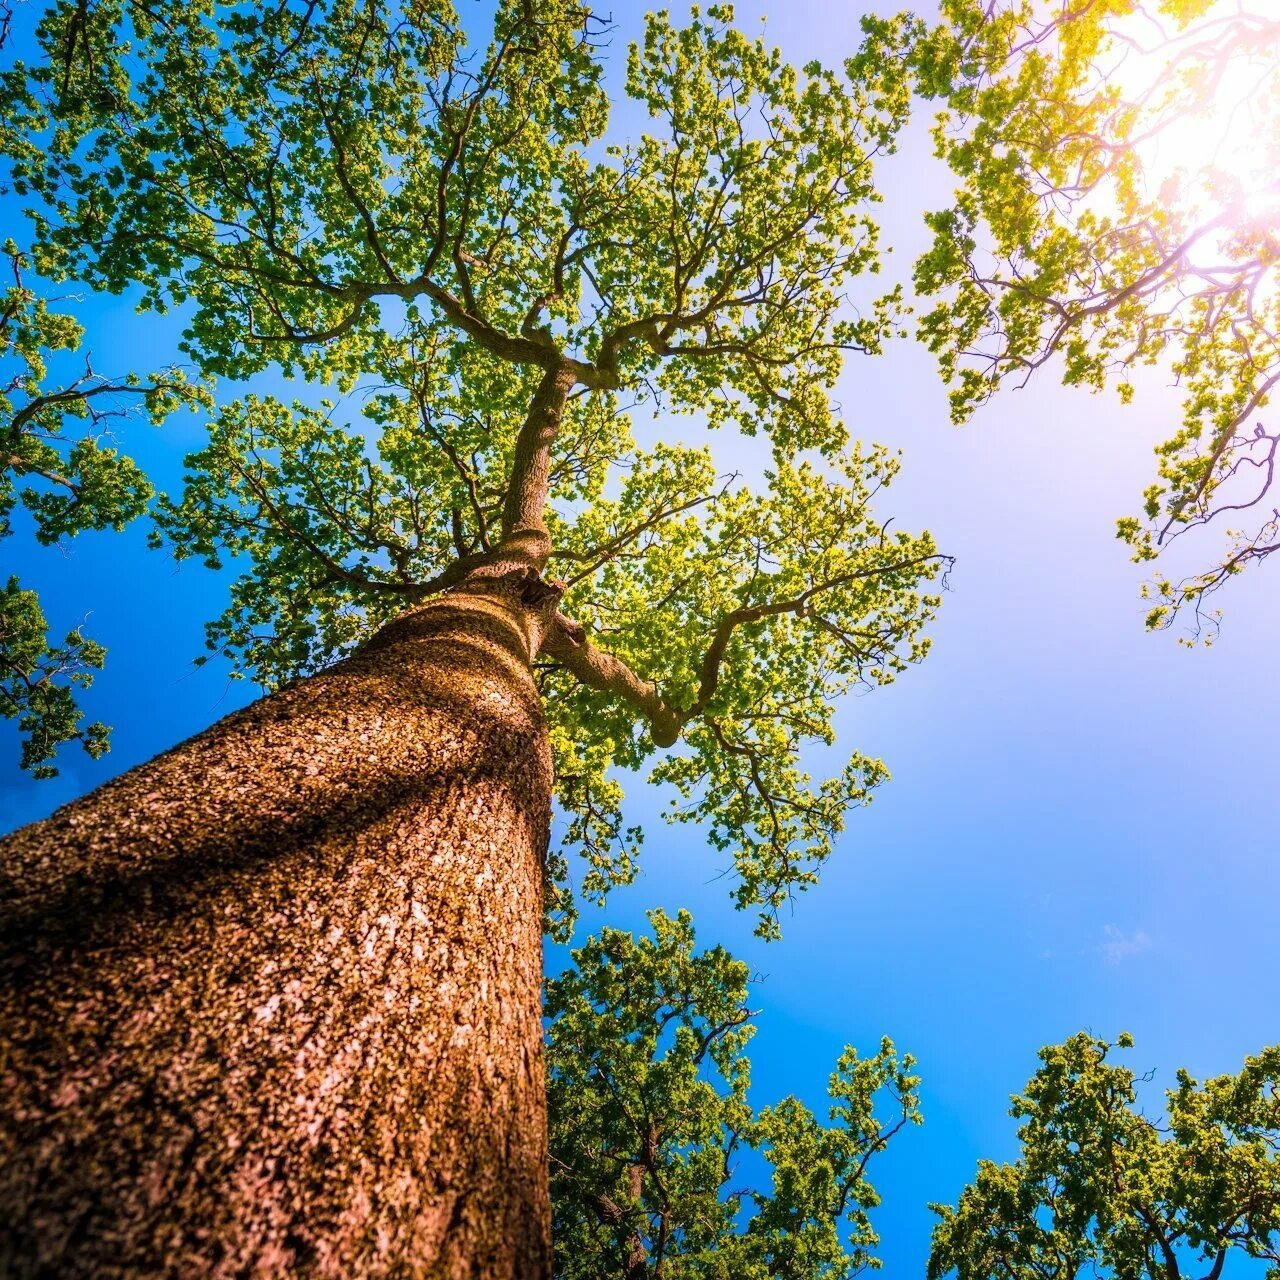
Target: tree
(1118, 208)
(1099, 1184)
(67, 486)
(650, 1123)
(274, 997)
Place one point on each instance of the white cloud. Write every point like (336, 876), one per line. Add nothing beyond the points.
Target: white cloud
(1117, 945)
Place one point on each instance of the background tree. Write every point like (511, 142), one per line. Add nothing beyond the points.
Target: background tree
(652, 1133)
(274, 997)
(68, 485)
(1100, 1185)
(59, 464)
(1118, 207)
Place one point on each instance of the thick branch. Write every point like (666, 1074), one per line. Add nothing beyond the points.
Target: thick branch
(526, 502)
(513, 348)
(20, 466)
(1172, 1271)
(76, 394)
(567, 643)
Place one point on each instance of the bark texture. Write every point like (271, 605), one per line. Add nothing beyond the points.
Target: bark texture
(271, 1002)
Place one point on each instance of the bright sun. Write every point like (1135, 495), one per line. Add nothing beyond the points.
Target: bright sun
(1203, 113)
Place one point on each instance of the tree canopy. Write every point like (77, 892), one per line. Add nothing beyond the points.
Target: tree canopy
(1118, 208)
(444, 232)
(59, 463)
(1098, 1184)
(659, 1163)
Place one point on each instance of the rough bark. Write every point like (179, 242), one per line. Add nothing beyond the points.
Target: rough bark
(270, 1002)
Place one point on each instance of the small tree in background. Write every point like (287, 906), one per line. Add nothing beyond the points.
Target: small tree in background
(659, 1164)
(1100, 1187)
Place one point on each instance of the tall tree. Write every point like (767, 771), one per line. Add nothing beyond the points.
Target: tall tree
(273, 999)
(660, 1167)
(1100, 1186)
(1118, 207)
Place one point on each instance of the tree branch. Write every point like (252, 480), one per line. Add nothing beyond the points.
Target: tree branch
(526, 501)
(599, 555)
(714, 657)
(567, 643)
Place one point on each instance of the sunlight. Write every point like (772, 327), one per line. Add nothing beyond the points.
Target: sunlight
(1191, 134)
(1200, 110)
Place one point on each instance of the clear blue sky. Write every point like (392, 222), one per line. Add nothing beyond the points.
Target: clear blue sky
(1081, 829)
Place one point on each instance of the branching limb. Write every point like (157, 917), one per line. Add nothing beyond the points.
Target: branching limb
(594, 557)
(797, 604)
(527, 490)
(567, 643)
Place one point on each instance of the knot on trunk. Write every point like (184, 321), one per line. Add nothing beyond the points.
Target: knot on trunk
(543, 595)
(522, 584)
(522, 589)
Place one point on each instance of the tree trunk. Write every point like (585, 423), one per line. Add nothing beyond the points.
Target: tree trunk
(271, 1002)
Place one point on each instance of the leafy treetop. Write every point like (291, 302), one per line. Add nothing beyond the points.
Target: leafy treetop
(654, 1141)
(361, 195)
(1118, 207)
(1099, 1186)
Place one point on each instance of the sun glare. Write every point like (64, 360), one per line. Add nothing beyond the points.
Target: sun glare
(1202, 108)
(1202, 113)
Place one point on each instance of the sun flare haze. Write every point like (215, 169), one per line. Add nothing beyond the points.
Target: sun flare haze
(1120, 209)
(1196, 105)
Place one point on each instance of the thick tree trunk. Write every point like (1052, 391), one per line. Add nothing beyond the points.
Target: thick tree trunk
(270, 1003)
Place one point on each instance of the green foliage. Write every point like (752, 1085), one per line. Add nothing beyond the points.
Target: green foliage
(38, 682)
(660, 1165)
(444, 230)
(57, 463)
(1118, 208)
(1099, 1185)
(834, 603)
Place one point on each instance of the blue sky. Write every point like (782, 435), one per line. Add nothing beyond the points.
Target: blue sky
(1081, 826)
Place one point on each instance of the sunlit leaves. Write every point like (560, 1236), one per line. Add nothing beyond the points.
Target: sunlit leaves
(282, 168)
(1118, 208)
(327, 531)
(660, 1165)
(826, 600)
(285, 171)
(751, 199)
(1100, 1184)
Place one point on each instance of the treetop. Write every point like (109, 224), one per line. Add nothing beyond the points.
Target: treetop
(493, 287)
